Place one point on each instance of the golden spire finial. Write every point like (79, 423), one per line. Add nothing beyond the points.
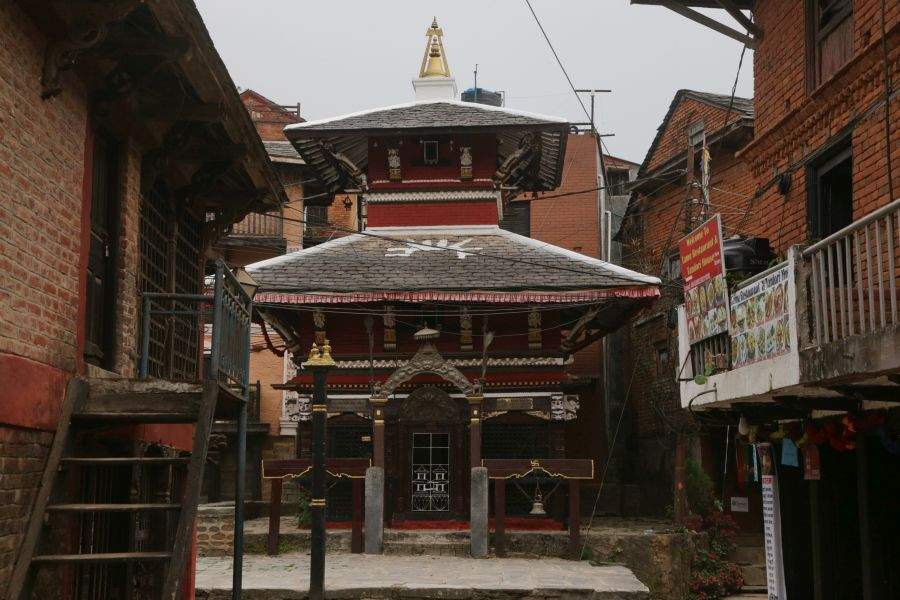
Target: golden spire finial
(434, 63)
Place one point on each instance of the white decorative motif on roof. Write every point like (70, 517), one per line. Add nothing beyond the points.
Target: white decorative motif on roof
(443, 244)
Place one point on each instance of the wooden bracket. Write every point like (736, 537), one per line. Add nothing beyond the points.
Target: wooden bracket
(89, 27)
(749, 40)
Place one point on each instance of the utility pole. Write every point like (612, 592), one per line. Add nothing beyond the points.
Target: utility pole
(320, 363)
(603, 174)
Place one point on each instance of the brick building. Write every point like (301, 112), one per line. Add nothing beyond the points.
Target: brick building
(653, 224)
(824, 163)
(124, 154)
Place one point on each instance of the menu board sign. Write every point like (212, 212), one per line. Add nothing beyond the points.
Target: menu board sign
(760, 320)
(705, 291)
(775, 582)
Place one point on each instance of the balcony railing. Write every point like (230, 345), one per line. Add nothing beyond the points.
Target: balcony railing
(268, 225)
(229, 309)
(854, 277)
(840, 313)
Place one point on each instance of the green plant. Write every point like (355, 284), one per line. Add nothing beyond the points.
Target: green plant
(699, 489)
(304, 518)
(712, 574)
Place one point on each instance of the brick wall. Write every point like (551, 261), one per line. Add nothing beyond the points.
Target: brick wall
(41, 174)
(268, 117)
(268, 368)
(22, 454)
(571, 222)
(689, 111)
(792, 122)
(127, 284)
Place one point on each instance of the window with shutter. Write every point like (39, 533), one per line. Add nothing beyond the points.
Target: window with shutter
(829, 39)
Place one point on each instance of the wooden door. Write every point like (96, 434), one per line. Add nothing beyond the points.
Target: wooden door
(101, 298)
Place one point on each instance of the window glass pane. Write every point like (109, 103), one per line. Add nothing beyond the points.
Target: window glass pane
(440, 456)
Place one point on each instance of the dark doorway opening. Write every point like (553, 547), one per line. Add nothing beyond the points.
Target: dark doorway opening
(101, 289)
(830, 206)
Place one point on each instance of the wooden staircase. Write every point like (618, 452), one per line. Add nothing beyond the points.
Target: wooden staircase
(104, 407)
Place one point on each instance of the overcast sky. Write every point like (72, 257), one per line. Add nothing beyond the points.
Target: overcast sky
(340, 56)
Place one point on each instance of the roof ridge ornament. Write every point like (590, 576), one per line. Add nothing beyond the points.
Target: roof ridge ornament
(434, 63)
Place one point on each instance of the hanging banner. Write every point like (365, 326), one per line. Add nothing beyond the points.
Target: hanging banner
(772, 524)
(760, 320)
(705, 291)
(812, 467)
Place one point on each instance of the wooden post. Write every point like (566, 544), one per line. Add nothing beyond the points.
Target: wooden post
(356, 535)
(475, 403)
(689, 187)
(865, 525)
(240, 478)
(274, 517)
(317, 499)
(815, 516)
(378, 431)
(574, 519)
(500, 517)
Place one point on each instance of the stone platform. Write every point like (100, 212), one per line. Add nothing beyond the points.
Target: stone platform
(659, 556)
(365, 577)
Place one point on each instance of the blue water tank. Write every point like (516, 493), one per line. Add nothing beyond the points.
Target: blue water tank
(483, 96)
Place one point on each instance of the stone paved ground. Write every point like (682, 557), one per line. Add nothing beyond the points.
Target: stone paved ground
(360, 576)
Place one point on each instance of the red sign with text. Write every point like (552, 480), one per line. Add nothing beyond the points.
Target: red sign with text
(705, 291)
(701, 253)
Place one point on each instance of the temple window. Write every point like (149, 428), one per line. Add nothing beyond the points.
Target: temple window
(430, 150)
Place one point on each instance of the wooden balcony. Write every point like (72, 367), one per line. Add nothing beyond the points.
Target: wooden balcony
(842, 334)
(257, 230)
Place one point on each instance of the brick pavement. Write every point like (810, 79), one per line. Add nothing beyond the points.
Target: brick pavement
(414, 577)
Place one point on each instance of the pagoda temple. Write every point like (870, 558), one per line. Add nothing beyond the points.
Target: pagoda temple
(452, 336)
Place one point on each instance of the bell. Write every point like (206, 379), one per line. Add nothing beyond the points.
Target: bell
(537, 507)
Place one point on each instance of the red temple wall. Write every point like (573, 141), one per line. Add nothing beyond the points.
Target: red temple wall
(453, 212)
(484, 159)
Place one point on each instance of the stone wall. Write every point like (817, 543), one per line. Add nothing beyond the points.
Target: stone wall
(215, 529)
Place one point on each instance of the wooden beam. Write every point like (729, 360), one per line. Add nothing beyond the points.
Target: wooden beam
(210, 152)
(741, 18)
(818, 403)
(205, 112)
(231, 196)
(170, 47)
(697, 17)
(873, 393)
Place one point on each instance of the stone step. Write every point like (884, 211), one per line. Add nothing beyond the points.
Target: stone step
(418, 548)
(754, 575)
(749, 555)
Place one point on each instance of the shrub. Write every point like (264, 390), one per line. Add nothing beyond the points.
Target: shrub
(304, 518)
(712, 574)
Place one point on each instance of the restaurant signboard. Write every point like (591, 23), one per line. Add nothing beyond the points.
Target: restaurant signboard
(760, 319)
(705, 291)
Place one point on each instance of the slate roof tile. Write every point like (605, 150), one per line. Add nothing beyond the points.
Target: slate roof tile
(484, 259)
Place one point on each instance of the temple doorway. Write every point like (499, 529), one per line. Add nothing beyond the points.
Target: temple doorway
(432, 455)
(430, 472)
